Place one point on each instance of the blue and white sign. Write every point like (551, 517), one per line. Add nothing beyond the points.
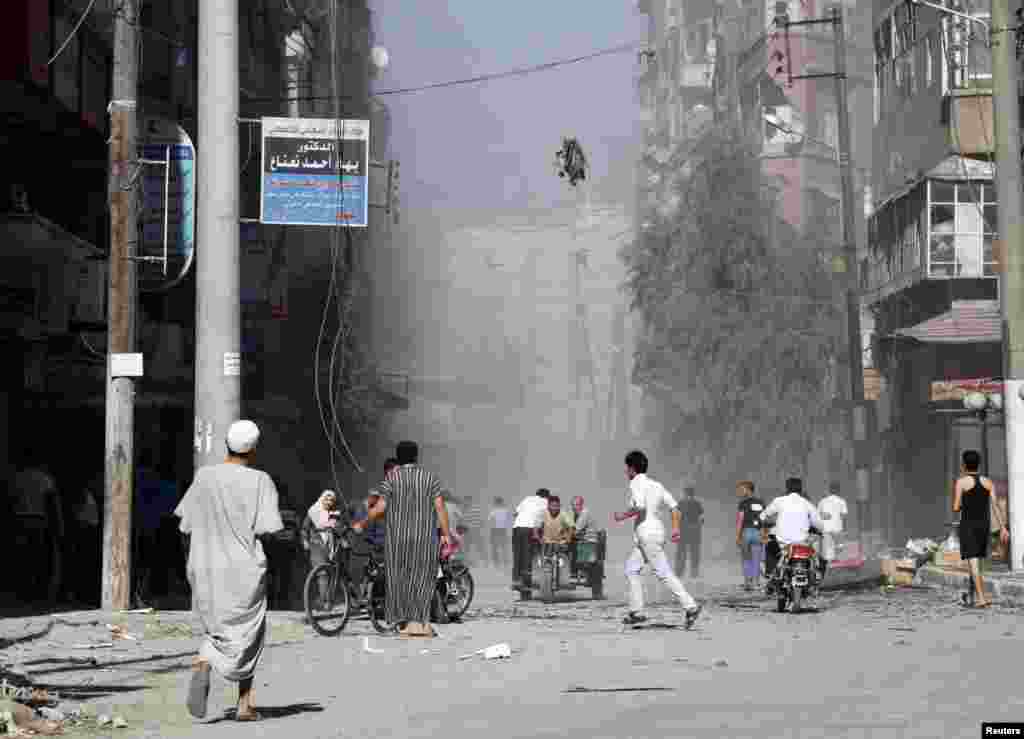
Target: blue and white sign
(168, 210)
(315, 172)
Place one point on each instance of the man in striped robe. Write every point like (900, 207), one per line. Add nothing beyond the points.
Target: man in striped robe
(415, 510)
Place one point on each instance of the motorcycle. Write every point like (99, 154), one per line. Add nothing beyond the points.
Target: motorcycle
(454, 590)
(797, 577)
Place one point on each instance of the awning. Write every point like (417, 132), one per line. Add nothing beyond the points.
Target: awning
(969, 322)
(951, 169)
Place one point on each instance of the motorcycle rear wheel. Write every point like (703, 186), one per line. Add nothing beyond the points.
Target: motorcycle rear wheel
(796, 605)
(467, 589)
(547, 584)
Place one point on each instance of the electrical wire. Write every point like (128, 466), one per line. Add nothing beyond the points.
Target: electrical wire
(343, 296)
(74, 32)
(632, 46)
(520, 72)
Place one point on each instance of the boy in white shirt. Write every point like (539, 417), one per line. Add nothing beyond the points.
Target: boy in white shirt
(646, 499)
(833, 512)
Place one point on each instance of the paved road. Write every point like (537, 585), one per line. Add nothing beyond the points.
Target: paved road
(906, 664)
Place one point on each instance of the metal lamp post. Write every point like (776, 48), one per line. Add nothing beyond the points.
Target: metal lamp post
(981, 404)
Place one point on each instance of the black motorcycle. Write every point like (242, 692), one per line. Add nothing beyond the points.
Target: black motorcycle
(454, 590)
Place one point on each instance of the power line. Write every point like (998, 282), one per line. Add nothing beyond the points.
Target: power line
(520, 72)
(632, 46)
(74, 32)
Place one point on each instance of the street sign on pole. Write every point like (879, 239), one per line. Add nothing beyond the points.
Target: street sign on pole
(167, 217)
(315, 172)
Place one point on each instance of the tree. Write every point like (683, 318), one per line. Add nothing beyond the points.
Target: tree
(740, 316)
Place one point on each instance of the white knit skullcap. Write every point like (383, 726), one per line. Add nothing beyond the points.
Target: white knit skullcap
(243, 436)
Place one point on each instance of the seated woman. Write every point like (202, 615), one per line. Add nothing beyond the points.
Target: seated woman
(322, 517)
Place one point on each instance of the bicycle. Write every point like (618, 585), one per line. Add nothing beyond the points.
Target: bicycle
(331, 596)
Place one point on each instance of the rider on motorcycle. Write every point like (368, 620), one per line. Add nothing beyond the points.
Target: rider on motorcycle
(795, 517)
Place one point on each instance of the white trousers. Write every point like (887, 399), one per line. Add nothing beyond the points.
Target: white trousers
(829, 546)
(651, 551)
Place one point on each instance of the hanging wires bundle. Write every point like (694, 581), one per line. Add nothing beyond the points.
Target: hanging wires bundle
(329, 415)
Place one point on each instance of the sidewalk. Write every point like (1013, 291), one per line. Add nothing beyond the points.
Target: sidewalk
(1005, 587)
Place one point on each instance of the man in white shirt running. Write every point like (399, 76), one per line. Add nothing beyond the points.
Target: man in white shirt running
(646, 499)
(832, 510)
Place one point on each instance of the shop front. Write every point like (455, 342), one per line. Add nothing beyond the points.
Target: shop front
(948, 399)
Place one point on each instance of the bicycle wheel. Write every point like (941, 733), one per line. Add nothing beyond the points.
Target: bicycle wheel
(375, 604)
(327, 611)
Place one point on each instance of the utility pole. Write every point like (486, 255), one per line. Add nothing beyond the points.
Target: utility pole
(121, 311)
(854, 387)
(1005, 75)
(218, 336)
(854, 339)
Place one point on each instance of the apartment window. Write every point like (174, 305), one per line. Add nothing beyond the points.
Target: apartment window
(883, 56)
(962, 227)
(897, 74)
(895, 235)
(904, 30)
(967, 60)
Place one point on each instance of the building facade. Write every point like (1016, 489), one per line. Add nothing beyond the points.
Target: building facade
(55, 223)
(931, 272)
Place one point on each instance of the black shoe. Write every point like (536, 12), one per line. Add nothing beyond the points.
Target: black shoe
(692, 615)
(632, 619)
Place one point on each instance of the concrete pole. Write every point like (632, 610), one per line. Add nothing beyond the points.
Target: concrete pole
(218, 303)
(856, 410)
(1011, 220)
(122, 297)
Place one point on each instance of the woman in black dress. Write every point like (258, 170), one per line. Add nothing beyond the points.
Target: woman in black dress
(972, 500)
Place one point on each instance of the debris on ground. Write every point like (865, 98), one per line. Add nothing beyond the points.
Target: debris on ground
(18, 720)
(368, 649)
(167, 630)
(582, 689)
(497, 651)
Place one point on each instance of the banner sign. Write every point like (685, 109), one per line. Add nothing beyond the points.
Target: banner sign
(956, 390)
(165, 141)
(315, 172)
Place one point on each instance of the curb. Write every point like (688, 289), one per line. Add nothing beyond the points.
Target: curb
(1010, 592)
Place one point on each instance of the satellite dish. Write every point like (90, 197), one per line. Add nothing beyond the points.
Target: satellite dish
(167, 220)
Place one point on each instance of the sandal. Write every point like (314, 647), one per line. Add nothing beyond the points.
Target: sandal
(417, 631)
(249, 716)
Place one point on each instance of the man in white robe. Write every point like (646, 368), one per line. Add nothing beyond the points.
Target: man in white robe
(226, 509)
